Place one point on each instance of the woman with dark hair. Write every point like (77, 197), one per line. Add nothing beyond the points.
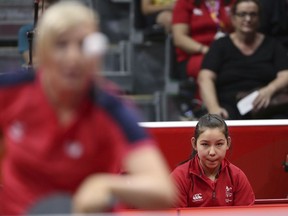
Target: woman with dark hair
(209, 179)
(241, 62)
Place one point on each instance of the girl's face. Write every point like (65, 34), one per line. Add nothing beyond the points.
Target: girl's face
(211, 146)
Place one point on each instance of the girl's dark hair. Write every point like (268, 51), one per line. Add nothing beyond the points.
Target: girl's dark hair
(237, 2)
(197, 3)
(208, 121)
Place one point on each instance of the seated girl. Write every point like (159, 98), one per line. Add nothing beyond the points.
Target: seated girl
(209, 179)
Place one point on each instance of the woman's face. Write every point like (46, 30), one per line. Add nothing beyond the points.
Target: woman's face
(65, 65)
(211, 147)
(246, 17)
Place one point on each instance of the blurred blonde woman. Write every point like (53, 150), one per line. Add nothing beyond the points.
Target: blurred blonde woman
(64, 133)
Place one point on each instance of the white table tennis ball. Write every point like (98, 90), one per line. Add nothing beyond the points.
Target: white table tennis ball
(95, 44)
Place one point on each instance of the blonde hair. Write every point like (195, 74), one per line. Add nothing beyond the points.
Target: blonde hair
(60, 18)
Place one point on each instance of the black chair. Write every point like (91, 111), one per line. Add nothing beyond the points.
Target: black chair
(182, 89)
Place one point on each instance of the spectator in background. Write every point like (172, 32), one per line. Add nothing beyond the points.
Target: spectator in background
(243, 61)
(208, 178)
(196, 23)
(158, 12)
(23, 43)
(66, 133)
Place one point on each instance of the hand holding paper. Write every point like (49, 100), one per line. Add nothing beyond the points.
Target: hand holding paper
(245, 105)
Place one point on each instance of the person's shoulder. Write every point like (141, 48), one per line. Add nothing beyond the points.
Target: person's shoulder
(121, 112)
(235, 171)
(223, 40)
(272, 41)
(233, 167)
(182, 169)
(13, 85)
(269, 39)
(16, 78)
(220, 43)
(272, 45)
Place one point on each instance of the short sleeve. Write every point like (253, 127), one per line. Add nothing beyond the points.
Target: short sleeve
(124, 115)
(182, 12)
(23, 44)
(244, 194)
(280, 57)
(213, 60)
(8, 93)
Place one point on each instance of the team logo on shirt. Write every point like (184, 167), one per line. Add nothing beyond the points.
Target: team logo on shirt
(16, 131)
(229, 194)
(197, 197)
(74, 149)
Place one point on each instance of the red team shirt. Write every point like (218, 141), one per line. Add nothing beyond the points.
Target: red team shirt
(202, 28)
(42, 157)
(231, 188)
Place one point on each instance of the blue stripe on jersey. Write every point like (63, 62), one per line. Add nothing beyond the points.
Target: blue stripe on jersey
(19, 77)
(126, 118)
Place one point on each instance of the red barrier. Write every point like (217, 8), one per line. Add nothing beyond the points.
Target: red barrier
(263, 210)
(256, 210)
(271, 201)
(258, 148)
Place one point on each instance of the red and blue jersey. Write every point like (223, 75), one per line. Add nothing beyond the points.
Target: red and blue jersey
(42, 157)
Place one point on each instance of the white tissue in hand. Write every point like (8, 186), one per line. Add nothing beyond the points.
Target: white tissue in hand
(245, 105)
(95, 44)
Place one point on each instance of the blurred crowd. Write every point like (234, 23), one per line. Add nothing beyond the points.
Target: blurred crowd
(229, 48)
(224, 50)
